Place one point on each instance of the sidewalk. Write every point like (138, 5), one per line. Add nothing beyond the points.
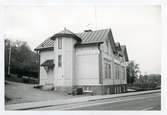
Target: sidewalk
(31, 105)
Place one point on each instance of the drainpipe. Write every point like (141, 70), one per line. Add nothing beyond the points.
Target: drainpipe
(100, 69)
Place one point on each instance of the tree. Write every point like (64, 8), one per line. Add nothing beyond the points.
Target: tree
(132, 72)
(148, 81)
(7, 48)
(23, 60)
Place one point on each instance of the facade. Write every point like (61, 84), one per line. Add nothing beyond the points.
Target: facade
(90, 60)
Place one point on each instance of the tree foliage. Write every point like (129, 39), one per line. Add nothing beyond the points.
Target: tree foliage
(23, 60)
(132, 72)
(150, 78)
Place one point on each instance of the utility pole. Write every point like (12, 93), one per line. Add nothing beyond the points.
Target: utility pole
(38, 62)
(9, 58)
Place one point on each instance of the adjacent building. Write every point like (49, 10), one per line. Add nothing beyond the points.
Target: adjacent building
(90, 60)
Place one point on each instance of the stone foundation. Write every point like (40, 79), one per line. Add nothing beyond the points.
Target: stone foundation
(105, 89)
(97, 89)
(115, 89)
(63, 89)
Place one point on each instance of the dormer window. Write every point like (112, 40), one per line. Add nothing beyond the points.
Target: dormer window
(60, 42)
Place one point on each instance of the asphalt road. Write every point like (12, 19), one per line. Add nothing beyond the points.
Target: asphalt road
(137, 102)
(147, 103)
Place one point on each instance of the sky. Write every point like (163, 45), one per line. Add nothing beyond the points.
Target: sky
(137, 27)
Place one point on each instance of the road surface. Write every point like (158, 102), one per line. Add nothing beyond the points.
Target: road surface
(137, 102)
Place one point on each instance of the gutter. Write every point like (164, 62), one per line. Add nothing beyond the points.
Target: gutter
(100, 70)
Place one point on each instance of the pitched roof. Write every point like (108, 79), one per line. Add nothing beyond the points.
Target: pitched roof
(66, 33)
(123, 47)
(93, 36)
(48, 43)
(49, 62)
(86, 37)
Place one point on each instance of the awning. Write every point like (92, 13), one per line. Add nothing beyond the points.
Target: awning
(49, 63)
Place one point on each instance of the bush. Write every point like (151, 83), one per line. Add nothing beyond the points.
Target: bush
(38, 86)
(143, 86)
(25, 79)
(13, 78)
(77, 91)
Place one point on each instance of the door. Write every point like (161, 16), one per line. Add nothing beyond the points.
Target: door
(50, 76)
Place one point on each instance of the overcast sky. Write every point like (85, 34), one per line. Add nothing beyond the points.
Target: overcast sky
(137, 27)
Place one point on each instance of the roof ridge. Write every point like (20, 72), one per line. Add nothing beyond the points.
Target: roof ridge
(94, 30)
(71, 32)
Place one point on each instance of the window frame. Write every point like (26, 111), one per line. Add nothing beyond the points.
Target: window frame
(118, 70)
(109, 67)
(60, 43)
(107, 46)
(105, 69)
(59, 60)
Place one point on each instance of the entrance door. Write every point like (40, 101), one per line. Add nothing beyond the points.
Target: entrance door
(50, 73)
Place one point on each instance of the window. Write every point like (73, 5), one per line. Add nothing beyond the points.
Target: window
(87, 88)
(109, 67)
(115, 71)
(107, 70)
(59, 60)
(123, 69)
(60, 43)
(118, 71)
(117, 74)
(107, 45)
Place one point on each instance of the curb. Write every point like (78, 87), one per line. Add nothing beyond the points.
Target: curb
(33, 105)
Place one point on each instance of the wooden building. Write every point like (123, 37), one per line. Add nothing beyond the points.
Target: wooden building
(90, 60)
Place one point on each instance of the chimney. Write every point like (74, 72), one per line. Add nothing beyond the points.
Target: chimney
(88, 30)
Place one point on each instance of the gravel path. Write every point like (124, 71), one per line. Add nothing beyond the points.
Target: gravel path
(22, 93)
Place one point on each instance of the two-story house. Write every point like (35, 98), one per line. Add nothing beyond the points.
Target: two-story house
(90, 60)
